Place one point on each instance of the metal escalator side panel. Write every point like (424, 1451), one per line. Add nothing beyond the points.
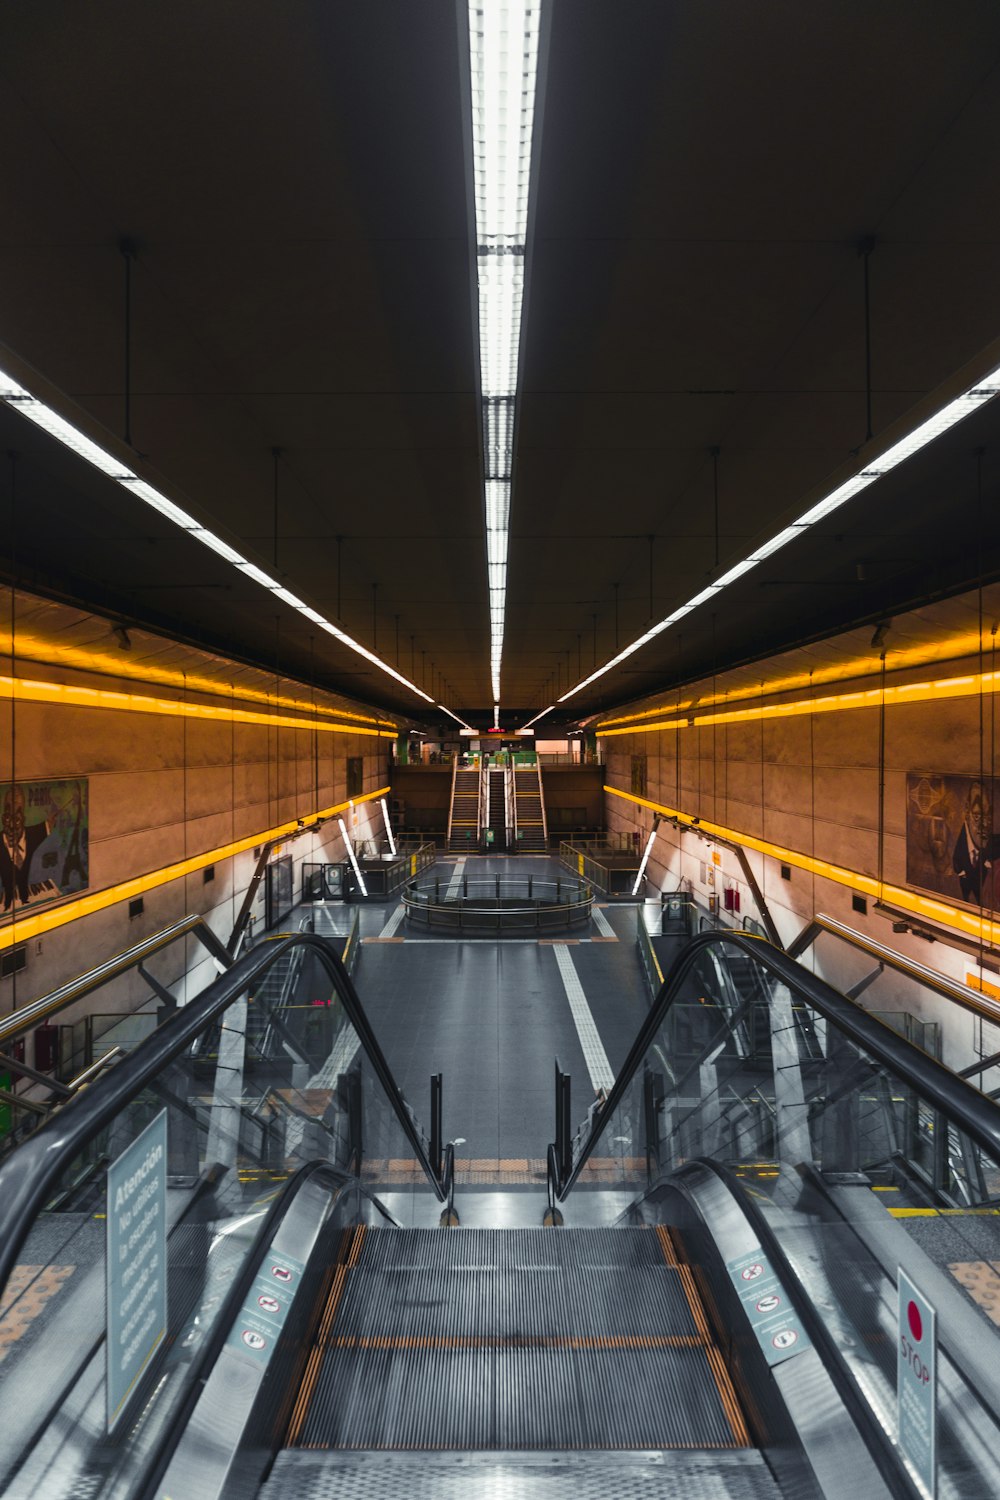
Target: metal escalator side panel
(256, 1361)
(796, 1408)
(347, 1258)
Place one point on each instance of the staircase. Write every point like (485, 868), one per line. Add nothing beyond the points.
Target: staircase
(477, 1355)
(530, 815)
(463, 825)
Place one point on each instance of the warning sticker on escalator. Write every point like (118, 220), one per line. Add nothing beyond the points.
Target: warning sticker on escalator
(772, 1317)
(265, 1308)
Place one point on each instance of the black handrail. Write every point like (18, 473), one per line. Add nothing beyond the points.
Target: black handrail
(28, 1176)
(965, 1107)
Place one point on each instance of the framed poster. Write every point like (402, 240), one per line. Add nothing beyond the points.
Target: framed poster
(44, 841)
(952, 847)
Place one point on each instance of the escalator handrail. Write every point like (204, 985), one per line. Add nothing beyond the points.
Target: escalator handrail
(964, 1106)
(28, 1176)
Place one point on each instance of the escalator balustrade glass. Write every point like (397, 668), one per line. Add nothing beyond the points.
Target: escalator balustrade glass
(861, 1155)
(127, 1219)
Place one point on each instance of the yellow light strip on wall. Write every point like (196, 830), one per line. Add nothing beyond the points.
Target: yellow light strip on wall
(919, 906)
(46, 653)
(915, 656)
(24, 690)
(23, 928)
(911, 692)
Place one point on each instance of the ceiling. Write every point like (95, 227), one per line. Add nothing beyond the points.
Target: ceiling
(293, 180)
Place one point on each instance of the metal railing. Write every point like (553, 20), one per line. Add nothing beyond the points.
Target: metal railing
(541, 803)
(612, 869)
(43, 1011)
(499, 903)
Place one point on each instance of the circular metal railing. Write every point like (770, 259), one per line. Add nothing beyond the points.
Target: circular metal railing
(498, 904)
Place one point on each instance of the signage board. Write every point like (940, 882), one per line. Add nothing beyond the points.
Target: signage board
(136, 1266)
(916, 1382)
(765, 1302)
(265, 1308)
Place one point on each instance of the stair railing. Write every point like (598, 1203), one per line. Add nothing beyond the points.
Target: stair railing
(541, 801)
(451, 804)
(512, 773)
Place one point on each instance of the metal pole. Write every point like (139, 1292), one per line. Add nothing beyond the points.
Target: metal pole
(436, 1141)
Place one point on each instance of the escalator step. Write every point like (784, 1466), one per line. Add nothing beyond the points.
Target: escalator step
(522, 1340)
(402, 1398)
(303, 1475)
(511, 1248)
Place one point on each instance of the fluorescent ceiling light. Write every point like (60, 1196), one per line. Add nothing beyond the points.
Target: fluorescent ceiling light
(540, 716)
(209, 539)
(503, 45)
(926, 432)
(258, 575)
(455, 717)
(19, 399)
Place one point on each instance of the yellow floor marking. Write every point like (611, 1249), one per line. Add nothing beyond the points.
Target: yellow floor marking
(25, 1295)
(941, 1213)
(982, 1281)
(481, 1171)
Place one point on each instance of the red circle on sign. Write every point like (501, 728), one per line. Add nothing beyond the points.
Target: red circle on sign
(915, 1321)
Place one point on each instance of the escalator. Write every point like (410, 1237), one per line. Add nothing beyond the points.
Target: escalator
(732, 1336)
(497, 812)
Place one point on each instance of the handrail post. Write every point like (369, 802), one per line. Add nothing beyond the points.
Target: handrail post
(437, 1080)
(564, 1135)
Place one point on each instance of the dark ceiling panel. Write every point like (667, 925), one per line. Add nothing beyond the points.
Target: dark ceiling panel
(294, 180)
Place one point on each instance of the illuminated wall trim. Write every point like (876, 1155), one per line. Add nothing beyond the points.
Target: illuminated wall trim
(23, 929)
(931, 910)
(968, 686)
(28, 648)
(25, 690)
(952, 649)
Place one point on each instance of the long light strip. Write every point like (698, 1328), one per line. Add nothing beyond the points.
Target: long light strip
(503, 44)
(353, 858)
(26, 690)
(49, 420)
(919, 906)
(455, 717)
(645, 858)
(926, 432)
(116, 664)
(946, 649)
(22, 928)
(969, 686)
(388, 828)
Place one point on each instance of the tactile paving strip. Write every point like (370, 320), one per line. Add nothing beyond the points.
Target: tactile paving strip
(981, 1279)
(27, 1291)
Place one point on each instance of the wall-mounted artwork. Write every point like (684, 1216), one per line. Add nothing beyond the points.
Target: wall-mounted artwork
(44, 842)
(952, 847)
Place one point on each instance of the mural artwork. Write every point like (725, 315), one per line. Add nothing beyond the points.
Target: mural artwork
(43, 848)
(952, 847)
